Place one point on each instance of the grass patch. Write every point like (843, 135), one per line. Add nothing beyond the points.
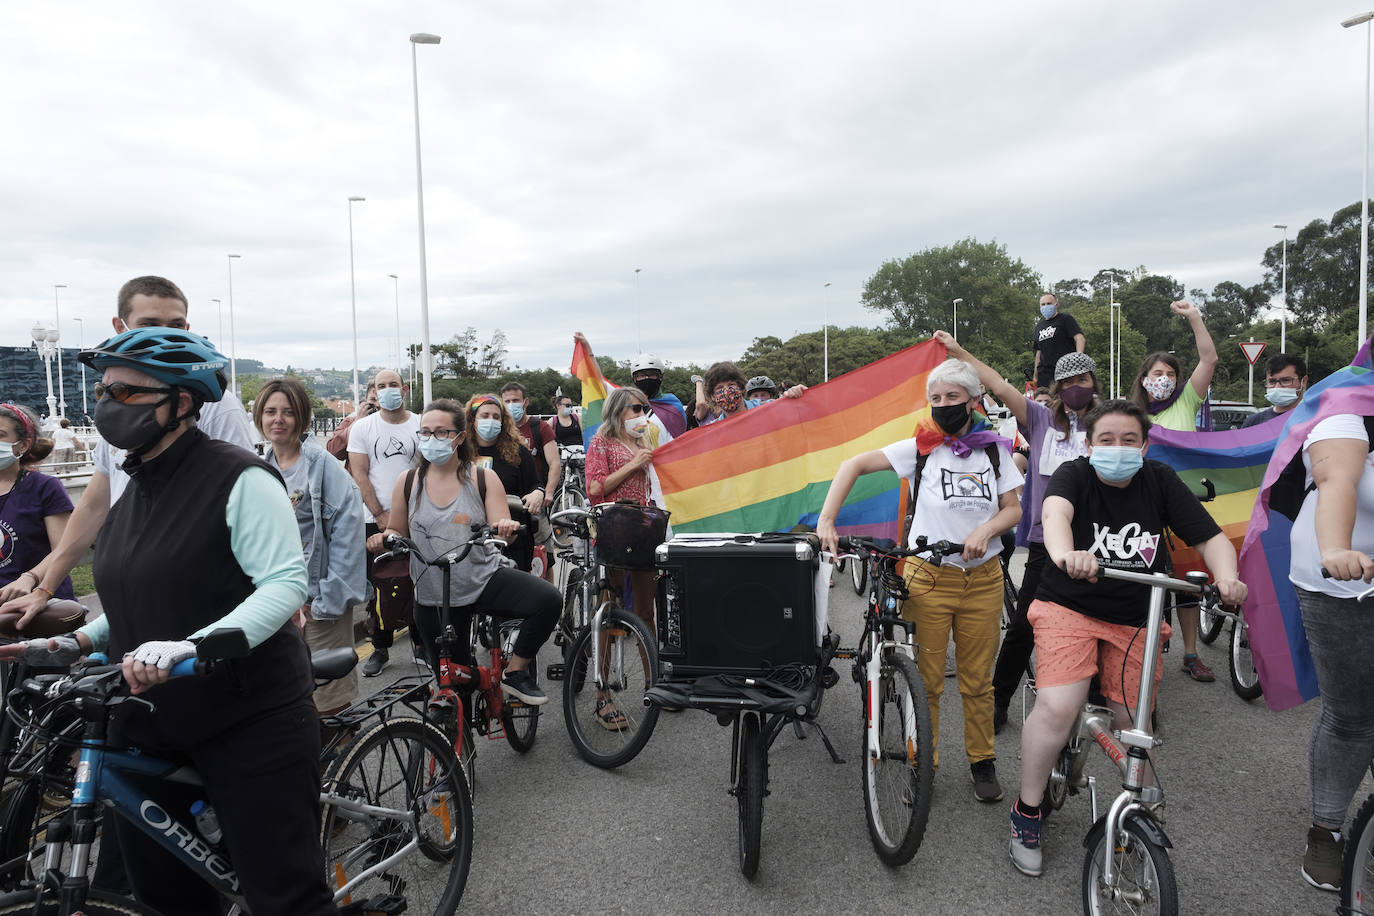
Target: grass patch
(83, 582)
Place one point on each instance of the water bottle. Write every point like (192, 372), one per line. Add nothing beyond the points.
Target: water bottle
(207, 822)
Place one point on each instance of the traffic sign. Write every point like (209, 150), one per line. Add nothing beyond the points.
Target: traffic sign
(1252, 350)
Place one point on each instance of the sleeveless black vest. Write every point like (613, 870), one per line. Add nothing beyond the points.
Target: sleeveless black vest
(164, 569)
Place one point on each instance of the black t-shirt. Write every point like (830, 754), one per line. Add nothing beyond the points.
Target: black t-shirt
(1124, 529)
(517, 480)
(567, 435)
(1054, 338)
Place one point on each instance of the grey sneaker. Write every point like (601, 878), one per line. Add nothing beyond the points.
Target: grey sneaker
(1026, 855)
(986, 788)
(1321, 861)
(375, 662)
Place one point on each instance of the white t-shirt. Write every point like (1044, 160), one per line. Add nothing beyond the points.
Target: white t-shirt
(224, 419)
(1306, 569)
(63, 437)
(957, 494)
(390, 449)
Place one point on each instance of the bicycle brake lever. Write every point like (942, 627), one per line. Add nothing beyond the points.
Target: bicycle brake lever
(119, 701)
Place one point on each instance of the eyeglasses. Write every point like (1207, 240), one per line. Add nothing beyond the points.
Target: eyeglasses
(122, 392)
(1288, 381)
(638, 408)
(425, 435)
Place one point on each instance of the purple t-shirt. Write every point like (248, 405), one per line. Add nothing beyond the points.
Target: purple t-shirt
(1049, 448)
(23, 536)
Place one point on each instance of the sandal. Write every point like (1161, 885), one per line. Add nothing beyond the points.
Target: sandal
(610, 718)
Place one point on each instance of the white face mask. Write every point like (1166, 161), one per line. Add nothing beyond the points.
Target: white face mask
(7, 454)
(1282, 397)
(1158, 386)
(636, 426)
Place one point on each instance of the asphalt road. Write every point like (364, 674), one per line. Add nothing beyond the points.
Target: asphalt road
(555, 835)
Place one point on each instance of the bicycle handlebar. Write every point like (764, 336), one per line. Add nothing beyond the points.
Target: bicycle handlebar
(1160, 580)
(887, 547)
(399, 546)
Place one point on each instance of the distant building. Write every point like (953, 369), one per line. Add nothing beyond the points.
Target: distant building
(23, 380)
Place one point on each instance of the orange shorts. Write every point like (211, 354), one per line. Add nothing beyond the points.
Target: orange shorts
(1072, 647)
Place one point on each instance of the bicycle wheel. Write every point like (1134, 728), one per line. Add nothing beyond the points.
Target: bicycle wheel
(1208, 625)
(859, 574)
(1009, 599)
(750, 788)
(20, 831)
(1357, 872)
(629, 666)
(399, 793)
(575, 615)
(1244, 677)
(96, 903)
(519, 721)
(1144, 876)
(898, 771)
(568, 497)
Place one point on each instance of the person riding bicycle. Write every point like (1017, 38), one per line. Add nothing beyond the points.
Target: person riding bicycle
(436, 507)
(203, 538)
(965, 492)
(1109, 508)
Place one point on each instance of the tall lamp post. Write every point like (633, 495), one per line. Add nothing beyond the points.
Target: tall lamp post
(57, 315)
(1364, 185)
(956, 319)
(353, 297)
(396, 290)
(639, 337)
(219, 304)
(1283, 315)
(81, 345)
(826, 334)
(421, 38)
(45, 341)
(1111, 333)
(233, 350)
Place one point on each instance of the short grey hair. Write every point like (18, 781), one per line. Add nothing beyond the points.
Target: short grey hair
(955, 372)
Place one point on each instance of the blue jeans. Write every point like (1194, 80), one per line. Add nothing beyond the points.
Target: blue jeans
(1341, 634)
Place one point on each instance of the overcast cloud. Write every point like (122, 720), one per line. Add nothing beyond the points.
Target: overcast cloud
(741, 155)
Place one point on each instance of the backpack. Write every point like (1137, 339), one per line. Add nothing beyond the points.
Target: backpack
(481, 486)
(994, 456)
(1287, 494)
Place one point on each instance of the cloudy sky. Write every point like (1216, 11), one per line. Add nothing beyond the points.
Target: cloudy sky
(741, 155)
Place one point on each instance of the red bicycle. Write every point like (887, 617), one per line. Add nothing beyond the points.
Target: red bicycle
(466, 699)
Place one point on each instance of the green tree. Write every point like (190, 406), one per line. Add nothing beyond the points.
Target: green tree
(1323, 270)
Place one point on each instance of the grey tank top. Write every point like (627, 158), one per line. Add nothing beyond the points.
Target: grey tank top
(435, 531)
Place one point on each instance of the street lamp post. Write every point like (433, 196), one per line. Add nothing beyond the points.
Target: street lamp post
(421, 38)
(233, 349)
(396, 290)
(353, 297)
(1111, 333)
(826, 315)
(956, 319)
(1283, 315)
(639, 337)
(61, 388)
(45, 341)
(1364, 185)
(81, 345)
(219, 304)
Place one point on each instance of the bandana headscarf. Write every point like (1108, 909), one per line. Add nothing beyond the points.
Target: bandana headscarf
(24, 422)
(929, 436)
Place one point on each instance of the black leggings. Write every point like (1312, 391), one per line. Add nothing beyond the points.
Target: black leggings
(1019, 640)
(509, 594)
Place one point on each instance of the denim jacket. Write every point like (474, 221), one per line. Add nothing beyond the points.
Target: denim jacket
(337, 563)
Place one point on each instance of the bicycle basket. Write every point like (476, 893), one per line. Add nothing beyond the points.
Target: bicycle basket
(627, 534)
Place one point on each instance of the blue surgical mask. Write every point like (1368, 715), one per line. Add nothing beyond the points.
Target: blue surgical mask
(436, 451)
(390, 398)
(1116, 463)
(516, 410)
(1047, 311)
(488, 429)
(7, 455)
(1282, 397)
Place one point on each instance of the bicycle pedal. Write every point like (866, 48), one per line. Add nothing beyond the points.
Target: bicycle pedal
(555, 671)
(829, 678)
(381, 905)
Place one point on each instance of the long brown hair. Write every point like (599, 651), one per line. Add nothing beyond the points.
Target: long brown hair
(1059, 414)
(1139, 396)
(508, 441)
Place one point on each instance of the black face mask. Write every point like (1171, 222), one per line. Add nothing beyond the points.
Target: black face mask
(649, 386)
(950, 417)
(133, 427)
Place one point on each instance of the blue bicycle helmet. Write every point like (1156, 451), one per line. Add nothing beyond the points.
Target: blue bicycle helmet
(176, 357)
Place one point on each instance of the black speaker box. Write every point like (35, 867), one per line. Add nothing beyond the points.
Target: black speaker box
(728, 607)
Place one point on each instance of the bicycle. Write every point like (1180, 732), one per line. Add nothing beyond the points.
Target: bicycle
(467, 698)
(571, 492)
(1137, 876)
(1357, 871)
(397, 816)
(608, 654)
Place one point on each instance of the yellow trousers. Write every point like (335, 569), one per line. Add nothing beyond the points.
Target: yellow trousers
(968, 602)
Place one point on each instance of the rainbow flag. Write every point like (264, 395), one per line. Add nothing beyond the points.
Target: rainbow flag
(595, 387)
(770, 469)
(1277, 638)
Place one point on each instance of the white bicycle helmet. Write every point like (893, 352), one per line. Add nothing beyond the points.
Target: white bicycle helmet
(760, 382)
(645, 362)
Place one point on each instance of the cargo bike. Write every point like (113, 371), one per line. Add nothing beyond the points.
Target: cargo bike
(743, 635)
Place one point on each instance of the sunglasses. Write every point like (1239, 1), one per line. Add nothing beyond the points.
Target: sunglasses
(122, 392)
(638, 408)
